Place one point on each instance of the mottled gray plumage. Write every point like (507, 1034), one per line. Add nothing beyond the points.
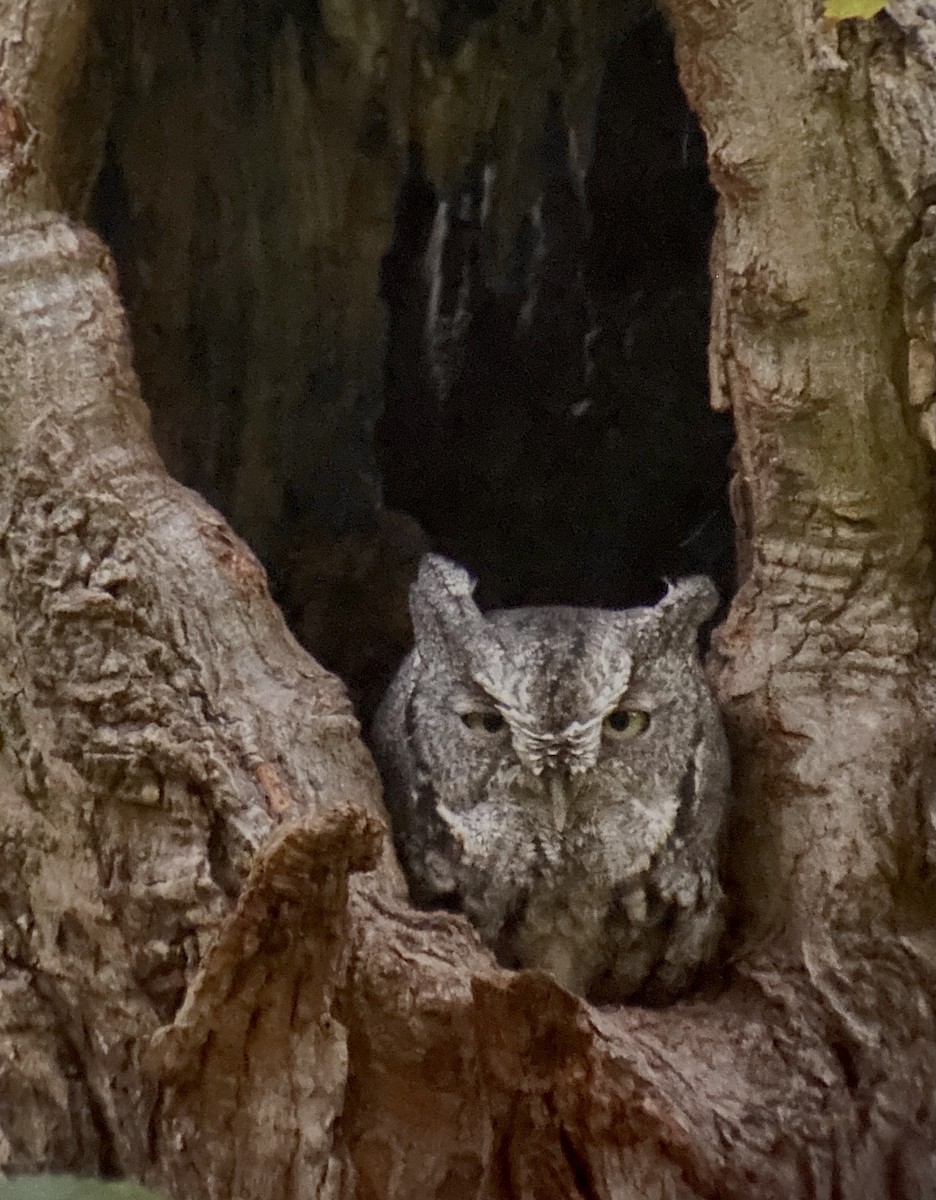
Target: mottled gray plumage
(561, 776)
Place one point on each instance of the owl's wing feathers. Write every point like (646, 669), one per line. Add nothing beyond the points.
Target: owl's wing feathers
(686, 876)
(422, 838)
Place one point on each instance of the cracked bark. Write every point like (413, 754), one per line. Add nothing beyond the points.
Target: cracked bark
(211, 980)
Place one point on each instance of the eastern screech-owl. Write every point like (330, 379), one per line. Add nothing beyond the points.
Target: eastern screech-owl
(561, 776)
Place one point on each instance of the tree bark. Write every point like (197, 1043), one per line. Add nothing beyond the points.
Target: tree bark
(211, 979)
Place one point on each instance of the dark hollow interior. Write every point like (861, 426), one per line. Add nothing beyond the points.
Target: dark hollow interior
(546, 417)
(534, 400)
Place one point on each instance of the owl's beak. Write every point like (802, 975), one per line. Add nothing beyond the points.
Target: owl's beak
(558, 791)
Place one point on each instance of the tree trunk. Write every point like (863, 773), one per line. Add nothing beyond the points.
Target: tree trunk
(211, 979)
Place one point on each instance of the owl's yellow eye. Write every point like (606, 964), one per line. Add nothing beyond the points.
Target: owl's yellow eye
(488, 720)
(627, 722)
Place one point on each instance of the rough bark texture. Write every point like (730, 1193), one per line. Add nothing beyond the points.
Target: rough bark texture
(211, 980)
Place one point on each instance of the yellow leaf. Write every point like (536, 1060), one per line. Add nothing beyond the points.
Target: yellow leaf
(841, 10)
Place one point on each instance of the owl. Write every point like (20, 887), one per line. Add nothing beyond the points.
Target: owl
(561, 776)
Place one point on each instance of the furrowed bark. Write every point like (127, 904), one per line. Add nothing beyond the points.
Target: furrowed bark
(211, 980)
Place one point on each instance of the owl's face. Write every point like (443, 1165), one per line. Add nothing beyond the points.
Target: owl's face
(560, 733)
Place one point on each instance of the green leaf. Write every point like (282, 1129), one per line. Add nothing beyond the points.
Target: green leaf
(841, 10)
(69, 1187)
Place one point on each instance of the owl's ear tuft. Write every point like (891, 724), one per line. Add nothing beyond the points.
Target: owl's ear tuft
(445, 616)
(687, 603)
